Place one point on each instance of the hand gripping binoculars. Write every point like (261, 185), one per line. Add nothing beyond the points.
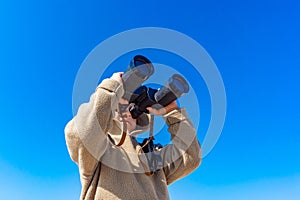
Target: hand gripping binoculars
(139, 70)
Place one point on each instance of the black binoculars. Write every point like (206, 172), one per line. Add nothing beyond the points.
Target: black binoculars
(138, 71)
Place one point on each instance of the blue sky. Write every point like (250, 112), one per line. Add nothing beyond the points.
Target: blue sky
(253, 43)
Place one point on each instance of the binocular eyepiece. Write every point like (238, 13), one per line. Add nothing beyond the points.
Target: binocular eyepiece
(138, 71)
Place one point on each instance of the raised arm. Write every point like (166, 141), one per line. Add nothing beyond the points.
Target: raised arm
(86, 133)
(184, 154)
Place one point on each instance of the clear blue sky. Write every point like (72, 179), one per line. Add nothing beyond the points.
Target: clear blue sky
(255, 45)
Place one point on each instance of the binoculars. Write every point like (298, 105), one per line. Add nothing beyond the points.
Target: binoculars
(139, 70)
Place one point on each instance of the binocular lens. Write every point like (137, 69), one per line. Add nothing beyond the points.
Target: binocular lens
(143, 68)
(178, 84)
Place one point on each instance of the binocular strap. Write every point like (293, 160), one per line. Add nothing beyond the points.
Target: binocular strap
(124, 132)
(146, 168)
(123, 137)
(121, 140)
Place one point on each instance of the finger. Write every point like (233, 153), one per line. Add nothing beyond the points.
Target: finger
(117, 76)
(152, 111)
(159, 112)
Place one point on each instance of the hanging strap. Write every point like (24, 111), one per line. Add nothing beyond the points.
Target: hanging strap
(121, 140)
(151, 126)
(124, 132)
(123, 135)
(147, 171)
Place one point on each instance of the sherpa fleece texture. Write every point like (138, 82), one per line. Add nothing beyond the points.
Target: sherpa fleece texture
(110, 172)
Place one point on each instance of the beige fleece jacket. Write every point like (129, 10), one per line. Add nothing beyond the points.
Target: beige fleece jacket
(111, 172)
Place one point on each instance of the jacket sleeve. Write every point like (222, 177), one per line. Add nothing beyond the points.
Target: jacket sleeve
(184, 154)
(86, 133)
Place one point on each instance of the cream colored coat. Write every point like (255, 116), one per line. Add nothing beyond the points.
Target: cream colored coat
(120, 173)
